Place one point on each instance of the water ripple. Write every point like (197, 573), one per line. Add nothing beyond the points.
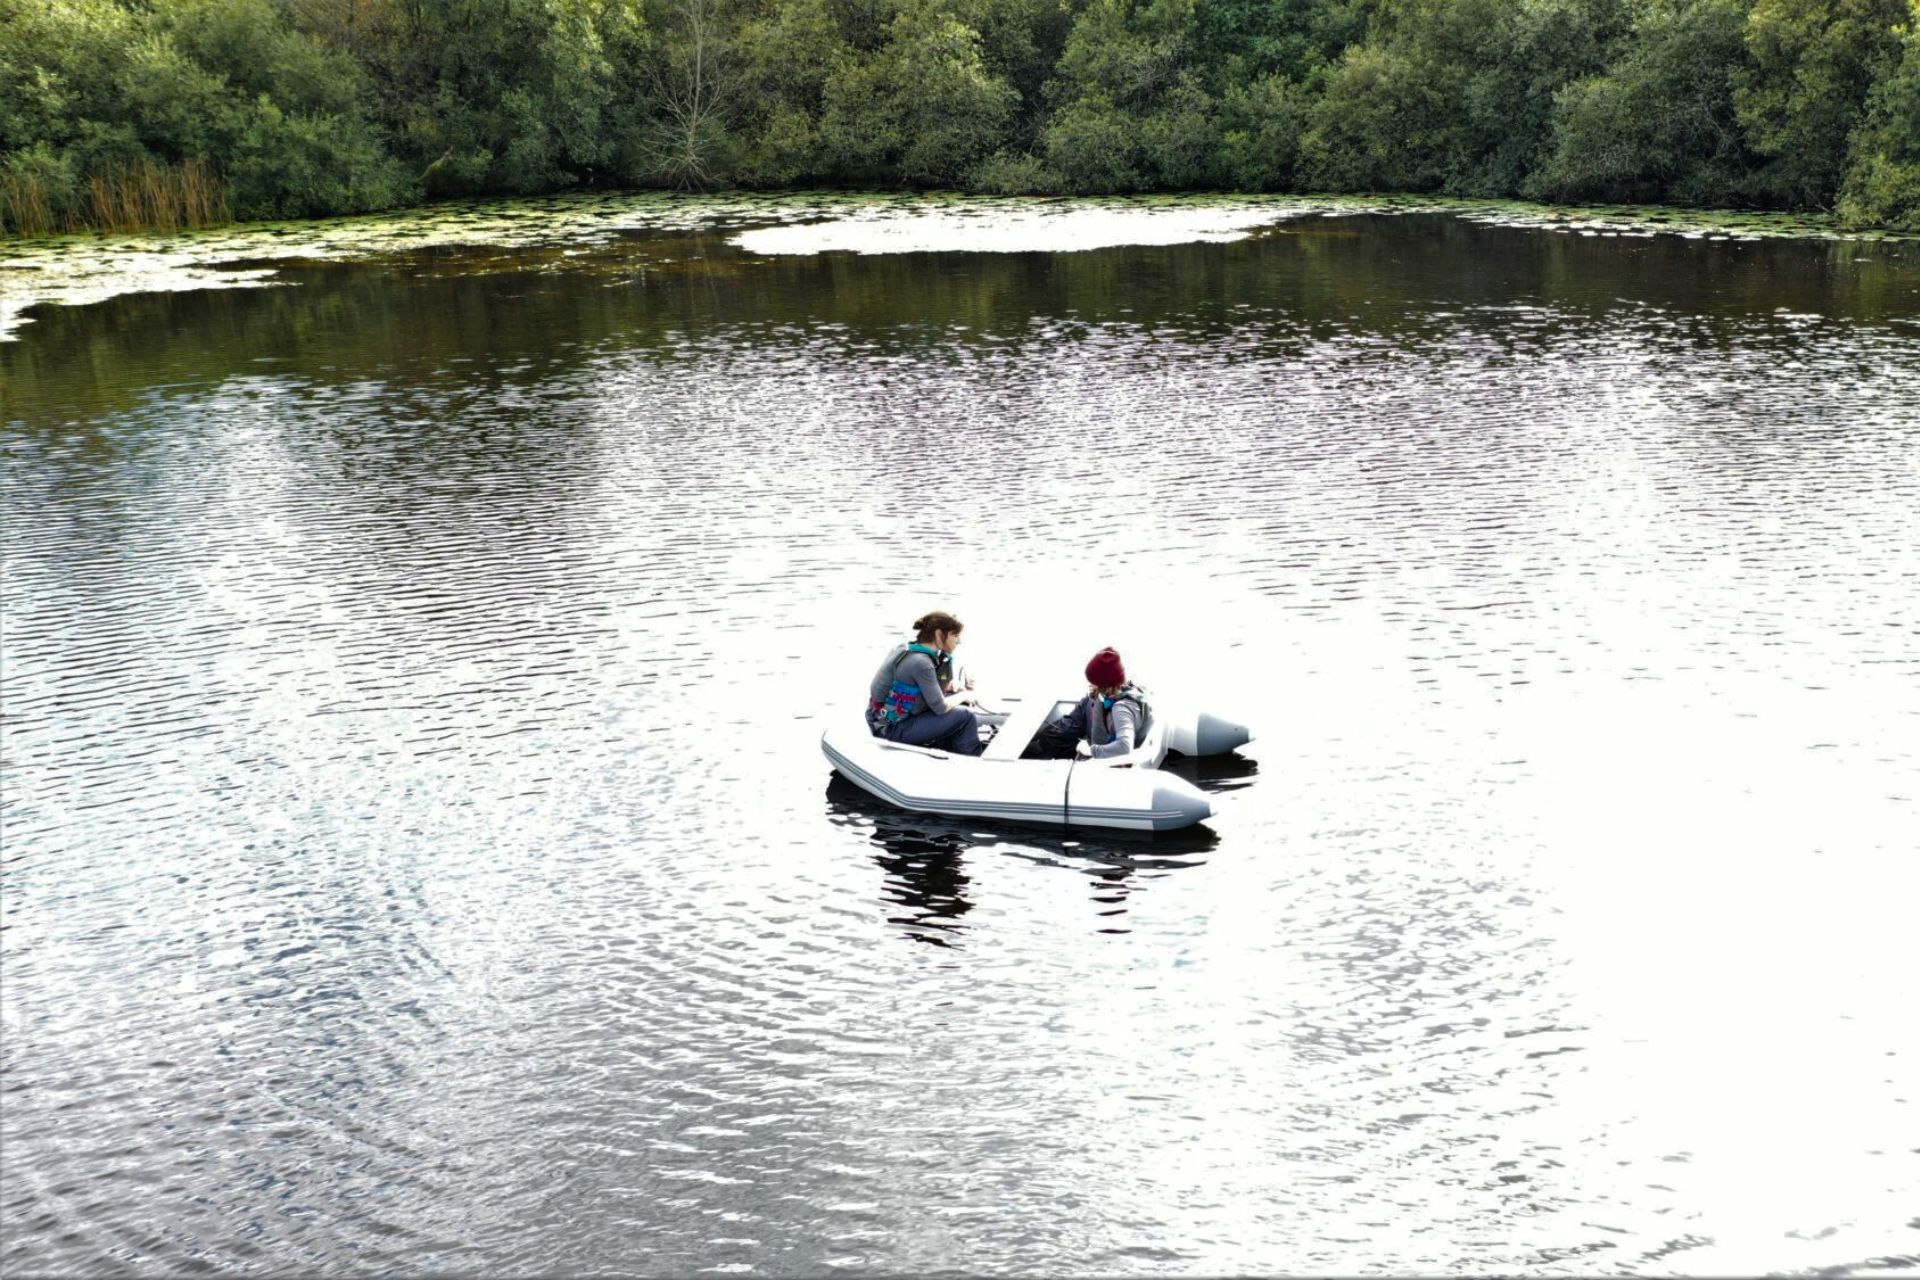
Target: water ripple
(418, 854)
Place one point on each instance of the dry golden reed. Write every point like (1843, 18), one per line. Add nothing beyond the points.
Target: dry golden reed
(24, 207)
(146, 195)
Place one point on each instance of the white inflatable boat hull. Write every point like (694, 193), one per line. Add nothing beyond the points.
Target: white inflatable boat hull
(1202, 734)
(1127, 793)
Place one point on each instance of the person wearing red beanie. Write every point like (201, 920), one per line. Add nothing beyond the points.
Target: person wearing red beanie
(1111, 719)
(1105, 670)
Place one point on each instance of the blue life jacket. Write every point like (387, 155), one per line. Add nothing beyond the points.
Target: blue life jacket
(903, 697)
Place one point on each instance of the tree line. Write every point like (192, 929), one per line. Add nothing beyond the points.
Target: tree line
(158, 113)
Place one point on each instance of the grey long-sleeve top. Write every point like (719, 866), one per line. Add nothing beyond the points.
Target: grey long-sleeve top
(916, 669)
(1115, 732)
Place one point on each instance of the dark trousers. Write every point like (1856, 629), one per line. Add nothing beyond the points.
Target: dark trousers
(956, 729)
(1057, 737)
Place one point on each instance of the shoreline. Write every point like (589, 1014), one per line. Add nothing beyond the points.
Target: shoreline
(81, 268)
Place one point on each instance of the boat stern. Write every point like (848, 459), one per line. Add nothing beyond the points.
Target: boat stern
(1213, 736)
(1133, 799)
(1178, 803)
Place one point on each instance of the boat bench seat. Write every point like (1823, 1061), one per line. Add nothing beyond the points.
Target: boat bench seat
(1024, 718)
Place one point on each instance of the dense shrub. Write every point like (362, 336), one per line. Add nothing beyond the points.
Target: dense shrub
(1261, 125)
(1007, 173)
(921, 109)
(184, 112)
(1660, 124)
(175, 112)
(1882, 184)
(1812, 64)
(39, 191)
(308, 166)
(1384, 124)
(1095, 147)
(1531, 53)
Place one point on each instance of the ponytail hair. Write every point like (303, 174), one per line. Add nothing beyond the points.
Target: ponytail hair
(926, 625)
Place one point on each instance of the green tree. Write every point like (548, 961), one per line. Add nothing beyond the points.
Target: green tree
(285, 115)
(231, 85)
(1386, 123)
(1261, 126)
(922, 109)
(1882, 185)
(115, 111)
(508, 95)
(1813, 64)
(786, 52)
(1537, 49)
(1241, 41)
(94, 80)
(1660, 124)
(1123, 52)
(1126, 114)
(1396, 113)
(286, 165)
(1021, 42)
(1180, 137)
(1095, 147)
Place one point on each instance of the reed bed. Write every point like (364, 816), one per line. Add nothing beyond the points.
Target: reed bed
(144, 195)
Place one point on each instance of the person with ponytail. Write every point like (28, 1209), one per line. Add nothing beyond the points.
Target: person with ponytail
(1111, 720)
(908, 700)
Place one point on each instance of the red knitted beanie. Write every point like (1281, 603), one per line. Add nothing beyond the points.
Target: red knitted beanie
(1105, 670)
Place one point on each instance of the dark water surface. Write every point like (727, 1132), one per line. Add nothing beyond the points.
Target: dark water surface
(418, 856)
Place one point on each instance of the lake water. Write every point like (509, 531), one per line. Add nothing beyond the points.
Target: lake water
(418, 856)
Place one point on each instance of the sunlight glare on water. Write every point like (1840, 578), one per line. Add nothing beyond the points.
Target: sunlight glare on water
(419, 856)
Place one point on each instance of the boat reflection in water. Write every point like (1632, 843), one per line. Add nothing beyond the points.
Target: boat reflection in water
(923, 856)
(1213, 774)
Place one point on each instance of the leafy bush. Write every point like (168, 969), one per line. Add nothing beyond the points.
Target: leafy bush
(1661, 124)
(1882, 185)
(118, 110)
(1123, 53)
(39, 190)
(1180, 138)
(1811, 66)
(1261, 126)
(1095, 148)
(1007, 173)
(785, 150)
(1529, 54)
(309, 166)
(1385, 124)
(1298, 40)
(922, 109)
(61, 66)
(516, 95)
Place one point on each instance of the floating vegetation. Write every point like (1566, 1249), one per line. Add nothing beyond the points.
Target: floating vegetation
(625, 232)
(1711, 224)
(1013, 225)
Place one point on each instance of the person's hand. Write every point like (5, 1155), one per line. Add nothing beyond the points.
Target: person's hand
(1082, 750)
(969, 683)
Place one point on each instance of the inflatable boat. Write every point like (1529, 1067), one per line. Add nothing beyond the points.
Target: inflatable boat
(1128, 793)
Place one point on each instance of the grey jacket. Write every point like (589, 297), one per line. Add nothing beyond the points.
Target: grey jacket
(916, 669)
(1116, 732)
